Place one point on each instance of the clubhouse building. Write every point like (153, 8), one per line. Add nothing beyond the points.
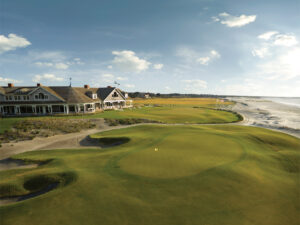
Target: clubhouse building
(48, 100)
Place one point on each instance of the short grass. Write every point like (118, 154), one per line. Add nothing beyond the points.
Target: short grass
(163, 174)
(213, 102)
(180, 110)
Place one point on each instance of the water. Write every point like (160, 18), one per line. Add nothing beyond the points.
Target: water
(287, 101)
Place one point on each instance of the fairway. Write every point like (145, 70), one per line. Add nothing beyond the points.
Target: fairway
(175, 114)
(187, 111)
(163, 174)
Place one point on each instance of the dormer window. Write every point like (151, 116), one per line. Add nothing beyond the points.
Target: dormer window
(94, 96)
(41, 96)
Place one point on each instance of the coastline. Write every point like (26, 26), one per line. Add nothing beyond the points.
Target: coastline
(268, 114)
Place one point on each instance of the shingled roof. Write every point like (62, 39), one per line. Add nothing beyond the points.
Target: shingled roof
(14, 90)
(104, 92)
(65, 93)
(71, 95)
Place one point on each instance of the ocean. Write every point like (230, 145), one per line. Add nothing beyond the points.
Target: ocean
(294, 101)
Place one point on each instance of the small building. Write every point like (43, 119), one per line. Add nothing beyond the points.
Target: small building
(45, 100)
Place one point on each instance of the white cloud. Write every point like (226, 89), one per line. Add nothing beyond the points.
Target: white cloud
(47, 77)
(188, 54)
(215, 19)
(274, 39)
(285, 40)
(194, 86)
(260, 52)
(212, 55)
(286, 66)
(107, 77)
(4, 80)
(109, 67)
(203, 60)
(129, 85)
(59, 66)
(76, 61)
(12, 42)
(122, 78)
(127, 61)
(54, 56)
(267, 35)
(215, 54)
(234, 21)
(44, 64)
(158, 66)
(191, 56)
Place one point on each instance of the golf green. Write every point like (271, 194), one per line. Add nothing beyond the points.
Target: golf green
(162, 174)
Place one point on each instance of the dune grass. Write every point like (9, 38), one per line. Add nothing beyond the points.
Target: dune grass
(164, 174)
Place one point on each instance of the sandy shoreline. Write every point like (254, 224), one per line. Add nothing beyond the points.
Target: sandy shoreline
(268, 114)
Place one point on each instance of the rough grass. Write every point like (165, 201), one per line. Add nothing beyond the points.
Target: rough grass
(28, 129)
(222, 174)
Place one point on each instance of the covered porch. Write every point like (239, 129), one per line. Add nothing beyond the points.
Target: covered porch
(118, 104)
(43, 109)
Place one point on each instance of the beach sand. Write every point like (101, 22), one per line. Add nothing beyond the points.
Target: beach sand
(268, 114)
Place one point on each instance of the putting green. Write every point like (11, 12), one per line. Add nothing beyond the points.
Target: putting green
(162, 175)
(182, 155)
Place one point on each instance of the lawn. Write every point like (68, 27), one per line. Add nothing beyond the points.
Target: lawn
(186, 110)
(163, 174)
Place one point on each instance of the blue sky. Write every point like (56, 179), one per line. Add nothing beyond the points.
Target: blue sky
(187, 46)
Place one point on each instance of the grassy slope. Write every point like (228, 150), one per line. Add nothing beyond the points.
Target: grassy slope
(220, 174)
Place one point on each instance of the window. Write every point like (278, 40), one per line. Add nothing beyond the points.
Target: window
(94, 96)
(10, 98)
(25, 98)
(15, 98)
(6, 98)
(115, 94)
(41, 96)
(19, 98)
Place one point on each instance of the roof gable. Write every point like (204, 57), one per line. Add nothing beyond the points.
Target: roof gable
(104, 93)
(49, 91)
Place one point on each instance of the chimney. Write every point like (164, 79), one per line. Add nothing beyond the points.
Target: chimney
(38, 84)
(108, 86)
(86, 86)
(10, 85)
